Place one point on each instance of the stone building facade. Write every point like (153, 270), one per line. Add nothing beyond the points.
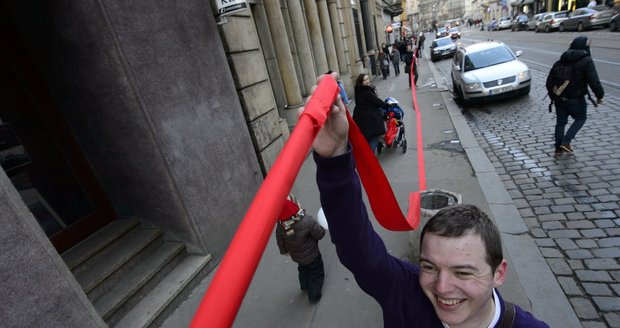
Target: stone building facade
(150, 114)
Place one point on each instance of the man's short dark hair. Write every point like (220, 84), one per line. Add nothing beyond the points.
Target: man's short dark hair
(458, 220)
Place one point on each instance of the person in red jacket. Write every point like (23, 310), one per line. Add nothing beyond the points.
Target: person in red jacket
(298, 235)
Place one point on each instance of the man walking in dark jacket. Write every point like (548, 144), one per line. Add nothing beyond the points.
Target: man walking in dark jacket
(411, 60)
(299, 235)
(574, 104)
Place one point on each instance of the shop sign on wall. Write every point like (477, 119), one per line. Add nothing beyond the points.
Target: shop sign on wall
(227, 7)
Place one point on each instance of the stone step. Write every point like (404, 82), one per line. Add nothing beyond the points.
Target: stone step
(161, 300)
(90, 246)
(101, 271)
(139, 281)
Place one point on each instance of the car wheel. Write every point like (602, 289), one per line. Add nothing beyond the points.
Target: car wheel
(612, 26)
(580, 27)
(457, 94)
(525, 91)
(547, 29)
(561, 28)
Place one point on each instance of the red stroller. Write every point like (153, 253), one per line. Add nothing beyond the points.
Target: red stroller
(395, 128)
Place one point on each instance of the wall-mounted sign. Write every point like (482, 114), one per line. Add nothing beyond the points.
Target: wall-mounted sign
(227, 7)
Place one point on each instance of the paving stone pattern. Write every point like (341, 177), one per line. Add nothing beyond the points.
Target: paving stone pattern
(569, 202)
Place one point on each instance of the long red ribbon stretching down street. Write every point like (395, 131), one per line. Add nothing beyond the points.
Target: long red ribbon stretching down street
(232, 279)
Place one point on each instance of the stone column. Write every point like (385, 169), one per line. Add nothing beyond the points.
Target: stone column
(269, 53)
(314, 27)
(283, 53)
(303, 44)
(328, 35)
(338, 40)
(288, 25)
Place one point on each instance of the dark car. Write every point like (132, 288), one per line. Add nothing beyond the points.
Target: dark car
(442, 48)
(441, 32)
(586, 18)
(520, 23)
(614, 23)
(492, 25)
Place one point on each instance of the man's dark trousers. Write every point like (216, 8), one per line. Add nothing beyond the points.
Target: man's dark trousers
(575, 108)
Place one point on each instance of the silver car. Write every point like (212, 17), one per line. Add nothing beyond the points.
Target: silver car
(533, 23)
(442, 48)
(551, 21)
(488, 70)
(504, 23)
(586, 18)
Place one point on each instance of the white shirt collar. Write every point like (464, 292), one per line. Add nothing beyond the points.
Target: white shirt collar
(498, 311)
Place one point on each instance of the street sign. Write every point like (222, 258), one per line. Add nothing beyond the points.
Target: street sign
(227, 7)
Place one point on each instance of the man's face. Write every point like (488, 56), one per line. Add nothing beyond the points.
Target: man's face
(458, 281)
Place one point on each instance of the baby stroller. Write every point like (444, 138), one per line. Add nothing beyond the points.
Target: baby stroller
(395, 128)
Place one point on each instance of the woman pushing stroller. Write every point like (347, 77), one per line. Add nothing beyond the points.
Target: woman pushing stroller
(368, 114)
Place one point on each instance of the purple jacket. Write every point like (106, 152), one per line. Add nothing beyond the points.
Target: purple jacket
(392, 282)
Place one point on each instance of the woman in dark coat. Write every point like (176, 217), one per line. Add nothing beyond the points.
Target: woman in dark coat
(368, 114)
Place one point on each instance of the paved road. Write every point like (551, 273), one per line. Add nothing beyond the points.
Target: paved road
(570, 203)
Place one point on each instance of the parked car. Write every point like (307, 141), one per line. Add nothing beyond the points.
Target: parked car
(454, 33)
(488, 70)
(492, 26)
(504, 23)
(441, 32)
(520, 23)
(442, 48)
(551, 21)
(587, 18)
(614, 23)
(533, 23)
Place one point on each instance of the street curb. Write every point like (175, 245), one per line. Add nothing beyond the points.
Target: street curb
(548, 301)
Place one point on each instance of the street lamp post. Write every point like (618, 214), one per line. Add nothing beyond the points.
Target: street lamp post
(434, 11)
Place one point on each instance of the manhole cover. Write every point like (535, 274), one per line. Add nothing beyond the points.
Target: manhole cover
(436, 200)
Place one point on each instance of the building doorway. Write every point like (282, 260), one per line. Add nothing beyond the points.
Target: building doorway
(40, 155)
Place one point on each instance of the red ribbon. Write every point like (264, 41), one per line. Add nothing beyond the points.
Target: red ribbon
(232, 279)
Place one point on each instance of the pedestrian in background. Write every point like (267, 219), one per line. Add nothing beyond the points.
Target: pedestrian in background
(574, 103)
(298, 235)
(409, 61)
(368, 114)
(395, 57)
(386, 49)
(421, 43)
(384, 64)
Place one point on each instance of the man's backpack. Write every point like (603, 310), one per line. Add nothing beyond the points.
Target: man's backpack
(562, 81)
(565, 81)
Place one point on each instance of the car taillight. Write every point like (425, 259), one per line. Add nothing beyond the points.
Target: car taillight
(552, 21)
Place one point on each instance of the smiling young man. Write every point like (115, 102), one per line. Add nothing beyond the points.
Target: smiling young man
(461, 253)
